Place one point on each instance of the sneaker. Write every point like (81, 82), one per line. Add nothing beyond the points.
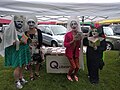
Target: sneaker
(18, 85)
(94, 82)
(69, 78)
(76, 78)
(23, 81)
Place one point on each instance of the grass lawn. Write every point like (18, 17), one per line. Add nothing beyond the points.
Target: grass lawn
(109, 77)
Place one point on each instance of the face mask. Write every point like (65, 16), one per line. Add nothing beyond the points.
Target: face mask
(74, 25)
(95, 33)
(31, 24)
(18, 24)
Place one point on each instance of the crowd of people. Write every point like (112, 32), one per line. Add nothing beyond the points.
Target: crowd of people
(22, 42)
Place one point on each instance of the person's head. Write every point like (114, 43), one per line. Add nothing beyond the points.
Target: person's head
(18, 20)
(97, 30)
(31, 23)
(73, 24)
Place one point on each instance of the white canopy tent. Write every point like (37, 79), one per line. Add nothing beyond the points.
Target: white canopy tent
(93, 8)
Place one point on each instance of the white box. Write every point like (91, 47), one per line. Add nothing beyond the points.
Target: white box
(57, 64)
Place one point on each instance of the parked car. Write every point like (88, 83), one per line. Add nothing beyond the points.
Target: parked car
(85, 29)
(0, 29)
(112, 38)
(3, 28)
(116, 29)
(53, 35)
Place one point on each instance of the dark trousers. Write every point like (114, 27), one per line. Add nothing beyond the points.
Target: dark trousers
(93, 70)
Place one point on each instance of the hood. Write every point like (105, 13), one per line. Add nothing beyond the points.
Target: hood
(113, 37)
(59, 37)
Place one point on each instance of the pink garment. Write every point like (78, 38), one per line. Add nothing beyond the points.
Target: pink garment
(70, 47)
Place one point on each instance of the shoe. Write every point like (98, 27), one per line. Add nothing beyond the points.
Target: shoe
(37, 75)
(18, 85)
(69, 78)
(76, 78)
(94, 82)
(32, 78)
(23, 81)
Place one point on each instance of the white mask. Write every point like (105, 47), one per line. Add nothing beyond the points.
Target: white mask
(95, 33)
(74, 25)
(31, 23)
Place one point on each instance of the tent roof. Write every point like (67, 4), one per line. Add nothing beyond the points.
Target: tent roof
(5, 21)
(40, 8)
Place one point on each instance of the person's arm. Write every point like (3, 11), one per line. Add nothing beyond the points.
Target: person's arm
(40, 38)
(85, 42)
(67, 42)
(102, 46)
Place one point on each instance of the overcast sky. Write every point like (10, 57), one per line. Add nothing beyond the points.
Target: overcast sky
(74, 1)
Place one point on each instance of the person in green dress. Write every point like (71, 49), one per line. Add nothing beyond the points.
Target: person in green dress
(18, 53)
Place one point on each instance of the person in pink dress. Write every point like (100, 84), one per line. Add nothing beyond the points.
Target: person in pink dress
(72, 42)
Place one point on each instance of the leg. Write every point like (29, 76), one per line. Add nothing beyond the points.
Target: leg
(17, 73)
(94, 73)
(72, 68)
(37, 69)
(77, 68)
(22, 80)
(16, 76)
(21, 74)
(31, 72)
(88, 61)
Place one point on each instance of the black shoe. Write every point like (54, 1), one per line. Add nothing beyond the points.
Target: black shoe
(32, 78)
(94, 82)
(37, 75)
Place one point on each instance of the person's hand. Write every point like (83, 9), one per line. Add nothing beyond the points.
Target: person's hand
(73, 40)
(95, 48)
(14, 43)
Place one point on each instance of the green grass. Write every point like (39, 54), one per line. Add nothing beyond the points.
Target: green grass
(109, 77)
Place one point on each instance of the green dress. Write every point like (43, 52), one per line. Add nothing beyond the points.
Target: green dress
(17, 58)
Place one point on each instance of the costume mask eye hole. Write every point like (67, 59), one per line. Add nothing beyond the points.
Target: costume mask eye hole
(31, 23)
(18, 24)
(19, 21)
(73, 23)
(94, 32)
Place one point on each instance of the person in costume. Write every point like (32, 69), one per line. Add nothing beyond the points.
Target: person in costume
(96, 45)
(35, 35)
(16, 49)
(72, 42)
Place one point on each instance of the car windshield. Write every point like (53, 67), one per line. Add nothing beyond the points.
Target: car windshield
(116, 29)
(108, 31)
(59, 30)
(85, 29)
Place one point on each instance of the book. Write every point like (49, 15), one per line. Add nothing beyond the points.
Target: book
(78, 36)
(94, 41)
